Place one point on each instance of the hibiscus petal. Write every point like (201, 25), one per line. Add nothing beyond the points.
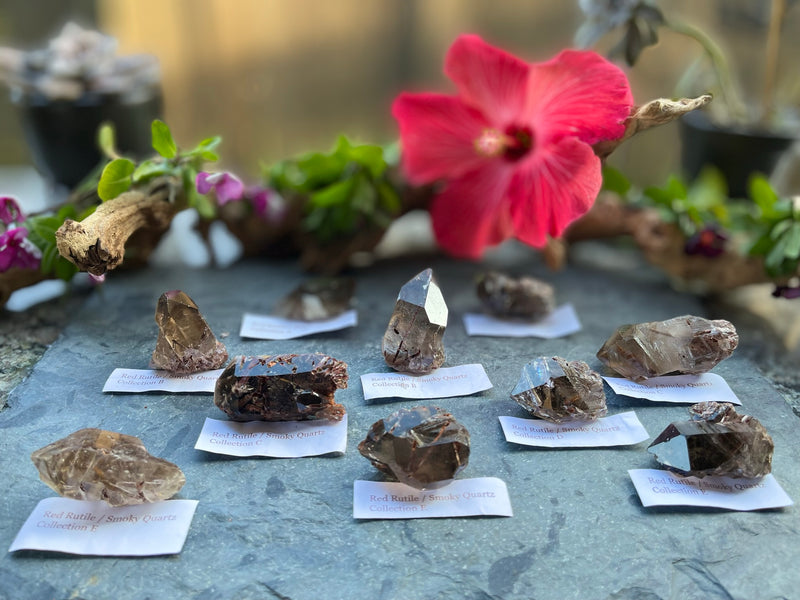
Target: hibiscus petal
(578, 93)
(437, 134)
(472, 212)
(552, 189)
(488, 78)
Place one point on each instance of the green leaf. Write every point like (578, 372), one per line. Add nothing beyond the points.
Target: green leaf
(63, 269)
(162, 139)
(207, 149)
(106, 139)
(763, 195)
(780, 228)
(116, 178)
(150, 170)
(614, 181)
(337, 193)
(792, 249)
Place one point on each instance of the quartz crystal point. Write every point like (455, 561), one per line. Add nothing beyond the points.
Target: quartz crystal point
(523, 297)
(686, 344)
(556, 390)
(185, 342)
(715, 441)
(413, 340)
(418, 446)
(285, 387)
(317, 299)
(92, 464)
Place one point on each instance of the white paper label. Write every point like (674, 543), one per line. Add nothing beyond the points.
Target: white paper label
(97, 529)
(622, 429)
(148, 380)
(459, 498)
(559, 323)
(286, 439)
(266, 327)
(688, 389)
(665, 488)
(446, 382)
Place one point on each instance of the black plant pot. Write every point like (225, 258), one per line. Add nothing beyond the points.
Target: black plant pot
(737, 152)
(62, 134)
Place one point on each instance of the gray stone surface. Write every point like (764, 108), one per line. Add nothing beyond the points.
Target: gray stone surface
(271, 528)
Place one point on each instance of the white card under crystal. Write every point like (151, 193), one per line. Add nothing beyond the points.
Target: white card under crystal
(446, 382)
(149, 380)
(285, 439)
(267, 327)
(97, 529)
(459, 498)
(623, 429)
(682, 389)
(561, 322)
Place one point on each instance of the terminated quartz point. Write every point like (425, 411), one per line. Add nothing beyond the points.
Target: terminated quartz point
(523, 297)
(556, 390)
(93, 464)
(317, 299)
(185, 342)
(683, 345)
(413, 340)
(418, 446)
(715, 441)
(284, 387)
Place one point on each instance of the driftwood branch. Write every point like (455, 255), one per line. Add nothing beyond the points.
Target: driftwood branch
(97, 244)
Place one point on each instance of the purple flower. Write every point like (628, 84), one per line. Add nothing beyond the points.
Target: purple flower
(10, 211)
(786, 291)
(709, 242)
(267, 203)
(17, 251)
(226, 185)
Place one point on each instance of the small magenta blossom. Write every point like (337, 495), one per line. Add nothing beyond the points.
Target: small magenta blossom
(267, 203)
(226, 185)
(514, 146)
(17, 251)
(10, 211)
(709, 242)
(790, 292)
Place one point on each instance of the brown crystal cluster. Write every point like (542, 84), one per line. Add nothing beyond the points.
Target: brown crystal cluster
(417, 446)
(413, 339)
(185, 342)
(93, 464)
(716, 440)
(284, 387)
(515, 297)
(556, 390)
(317, 299)
(683, 345)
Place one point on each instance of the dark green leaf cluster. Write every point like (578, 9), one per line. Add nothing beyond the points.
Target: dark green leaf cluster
(42, 234)
(345, 190)
(778, 232)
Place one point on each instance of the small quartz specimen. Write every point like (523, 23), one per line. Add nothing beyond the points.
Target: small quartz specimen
(556, 390)
(716, 440)
(683, 345)
(185, 342)
(413, 340)
(418, 446)
(317, 299)
(284, 387)
(515, 297)
(93, 464)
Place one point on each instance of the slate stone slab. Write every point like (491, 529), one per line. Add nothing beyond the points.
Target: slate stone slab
(283, 528)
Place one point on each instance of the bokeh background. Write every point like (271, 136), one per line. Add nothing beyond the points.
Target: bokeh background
(278, 77)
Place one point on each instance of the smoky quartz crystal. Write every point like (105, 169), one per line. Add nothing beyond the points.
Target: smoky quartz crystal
(317, 299)
(93, 464)
(515, 297)
(418, 446)
(284, 387)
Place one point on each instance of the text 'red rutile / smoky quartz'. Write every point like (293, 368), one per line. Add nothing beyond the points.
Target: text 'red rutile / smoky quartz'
(93, 464)
(683, 345)
(413, 340)
(185, 342)
(715, 441)
(317, 299)
(418, 446)
(284, 387)
(515, 297)
(556, 390)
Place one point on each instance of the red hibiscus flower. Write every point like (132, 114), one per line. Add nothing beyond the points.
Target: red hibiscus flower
(514, 147)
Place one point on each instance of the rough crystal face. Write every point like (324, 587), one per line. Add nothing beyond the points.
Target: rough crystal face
(523, 297)
(413, 340)
(686, 344)
(93, 464)
(185, 342)
(317, 299)
(418, 446)
(556, 390)
(715, 441)
(284, 387)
